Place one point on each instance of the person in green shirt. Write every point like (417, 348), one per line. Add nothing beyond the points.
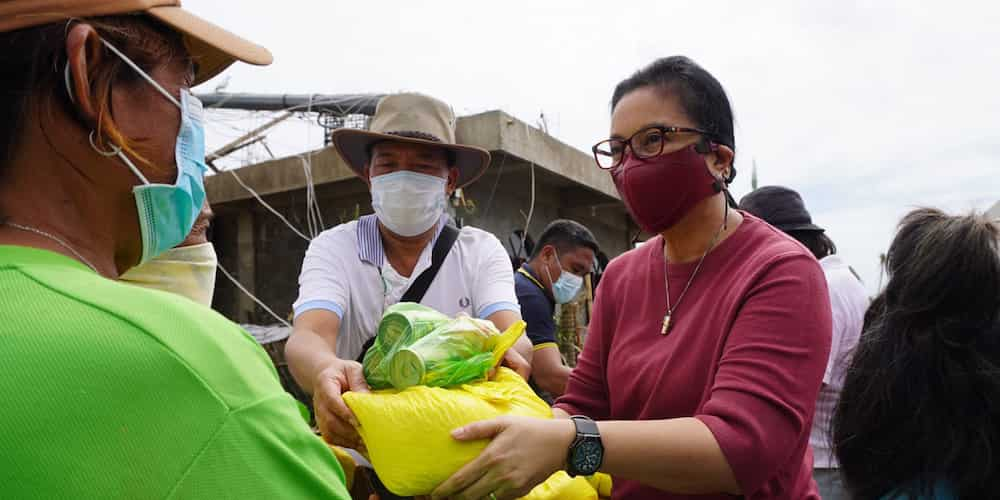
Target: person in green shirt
(110, 390)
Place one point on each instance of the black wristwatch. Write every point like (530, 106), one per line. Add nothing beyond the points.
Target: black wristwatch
(586, 454)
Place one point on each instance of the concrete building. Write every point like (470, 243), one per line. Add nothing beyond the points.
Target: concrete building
(266, 256)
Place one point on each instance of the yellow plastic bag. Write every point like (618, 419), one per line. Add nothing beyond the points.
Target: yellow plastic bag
(408, 432)
(602, 483)
(560, 486)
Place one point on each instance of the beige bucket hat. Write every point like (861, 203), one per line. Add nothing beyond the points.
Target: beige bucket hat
(213, 48)
(414, 118)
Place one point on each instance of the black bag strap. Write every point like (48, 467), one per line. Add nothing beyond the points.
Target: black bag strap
(417, 289)
(415, 293)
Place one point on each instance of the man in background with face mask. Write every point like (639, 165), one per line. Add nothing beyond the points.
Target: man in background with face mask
(187, 269)
(565, 253)
(353, 272)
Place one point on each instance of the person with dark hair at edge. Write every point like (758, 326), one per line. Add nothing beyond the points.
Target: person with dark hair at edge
(554, 274)
(707, 344)
(112, 390)
(918, 415)
(784, 209)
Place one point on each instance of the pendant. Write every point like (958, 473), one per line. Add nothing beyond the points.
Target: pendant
(666, 324)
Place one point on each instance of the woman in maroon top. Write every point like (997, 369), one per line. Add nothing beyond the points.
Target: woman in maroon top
(707, 344)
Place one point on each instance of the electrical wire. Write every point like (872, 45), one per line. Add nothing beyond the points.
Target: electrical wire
(493, 192)
(252, 296)
(268, 207)
(531, 208)
(314, 216)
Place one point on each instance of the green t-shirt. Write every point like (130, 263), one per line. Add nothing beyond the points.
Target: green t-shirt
(114, 391)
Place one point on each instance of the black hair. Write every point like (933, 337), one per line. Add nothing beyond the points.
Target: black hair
(920, 405)
(566, 236)
(700, 94)
(816, 241)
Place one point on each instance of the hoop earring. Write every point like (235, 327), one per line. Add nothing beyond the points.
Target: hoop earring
(114, 149)
(69, 84)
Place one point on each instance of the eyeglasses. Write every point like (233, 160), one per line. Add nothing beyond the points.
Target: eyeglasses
(646, 143)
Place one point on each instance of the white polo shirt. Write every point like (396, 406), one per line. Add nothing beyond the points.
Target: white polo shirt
(345, 271)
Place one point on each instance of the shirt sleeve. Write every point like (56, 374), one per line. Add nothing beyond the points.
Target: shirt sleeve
(587, 391)
(493, 290)
(536, 311)
(838, 324)
(323, 281)
(763, 399)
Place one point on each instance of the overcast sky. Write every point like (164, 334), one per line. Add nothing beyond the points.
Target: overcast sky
(866, 110)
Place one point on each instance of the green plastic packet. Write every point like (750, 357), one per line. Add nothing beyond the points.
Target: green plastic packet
(402, 324)
(416, 345)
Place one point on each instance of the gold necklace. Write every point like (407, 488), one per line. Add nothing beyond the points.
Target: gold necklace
(665, 328)
(55, 239)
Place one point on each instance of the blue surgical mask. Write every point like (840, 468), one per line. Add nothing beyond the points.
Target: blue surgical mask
(167, 212)
(567, 286)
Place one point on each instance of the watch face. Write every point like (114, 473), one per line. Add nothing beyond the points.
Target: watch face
(587, 457)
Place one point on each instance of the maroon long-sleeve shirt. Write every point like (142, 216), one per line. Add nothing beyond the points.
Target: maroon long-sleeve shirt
(745, 355)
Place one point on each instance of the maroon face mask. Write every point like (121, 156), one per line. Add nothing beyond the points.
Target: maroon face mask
(659, 191)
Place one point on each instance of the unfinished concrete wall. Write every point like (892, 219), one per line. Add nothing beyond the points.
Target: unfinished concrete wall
(265, 255)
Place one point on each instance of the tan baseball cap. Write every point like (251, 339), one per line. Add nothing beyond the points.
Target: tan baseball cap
(212, 47)
(414, 118)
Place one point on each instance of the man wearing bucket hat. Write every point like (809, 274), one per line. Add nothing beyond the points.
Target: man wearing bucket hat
(405, 252)
(112, 390)
(784, 209)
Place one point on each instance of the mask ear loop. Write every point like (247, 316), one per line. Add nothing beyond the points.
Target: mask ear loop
(552, 284)
(142, 73)
(117, 151)
(706, 146)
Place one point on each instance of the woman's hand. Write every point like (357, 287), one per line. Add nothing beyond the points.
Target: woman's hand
(523, 453)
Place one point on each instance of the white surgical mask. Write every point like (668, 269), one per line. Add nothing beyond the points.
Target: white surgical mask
(187, 271)
(408, 203)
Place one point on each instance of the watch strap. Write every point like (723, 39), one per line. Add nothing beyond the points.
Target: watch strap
(586, 430)
(585, 427)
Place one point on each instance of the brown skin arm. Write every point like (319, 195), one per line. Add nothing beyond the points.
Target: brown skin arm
(312, 345)
(678, 455)
(549, 372)
(312, 357)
